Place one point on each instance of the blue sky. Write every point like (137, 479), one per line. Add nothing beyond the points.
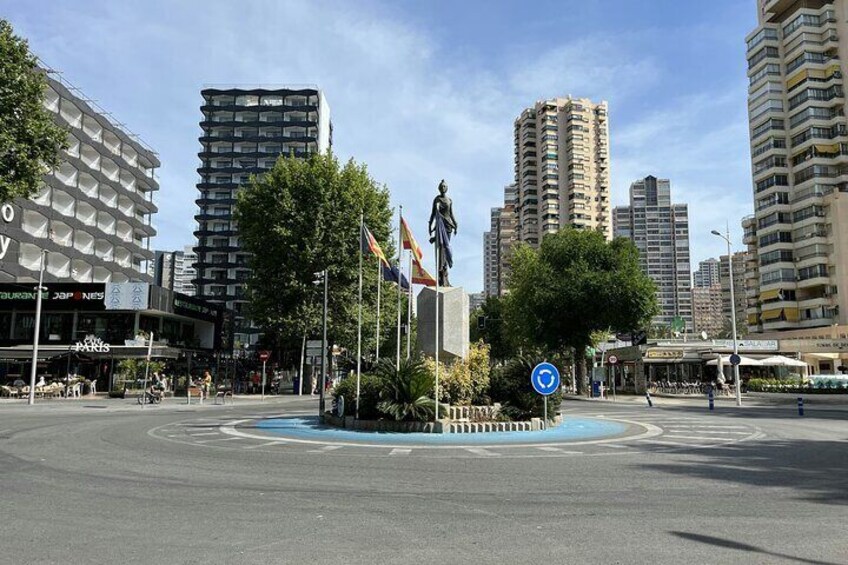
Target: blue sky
(427, 90)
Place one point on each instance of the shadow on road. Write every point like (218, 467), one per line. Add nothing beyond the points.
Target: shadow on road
(730, 544)
(816, 470)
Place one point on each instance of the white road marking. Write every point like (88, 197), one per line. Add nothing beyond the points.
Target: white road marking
(325, 449)
(205, 434)
(483, 452)
(707, 426)
(616, 446)
(263, 444)
(400, 451)
(659, 442)
(697, 429)
(558, 450)
(217, 439)
(700, 438)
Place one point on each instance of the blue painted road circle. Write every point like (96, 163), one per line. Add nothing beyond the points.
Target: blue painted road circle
(545, 379)
(308, 429)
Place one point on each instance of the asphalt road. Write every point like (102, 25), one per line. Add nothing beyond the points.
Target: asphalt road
(107, 482)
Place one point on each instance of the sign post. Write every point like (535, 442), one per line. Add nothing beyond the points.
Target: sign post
(545, 381)
(264, 356)
(613, 361)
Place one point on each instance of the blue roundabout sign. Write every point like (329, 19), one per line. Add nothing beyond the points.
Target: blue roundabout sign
(545, 379)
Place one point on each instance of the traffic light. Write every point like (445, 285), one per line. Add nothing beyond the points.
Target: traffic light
(481, 322)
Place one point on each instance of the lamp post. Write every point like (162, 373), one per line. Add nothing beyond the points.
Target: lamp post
(322, 277)
(39, 289)
(736, 378)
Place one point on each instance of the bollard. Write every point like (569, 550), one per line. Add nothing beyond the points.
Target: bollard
(711, 396)
(648, 398)
(800, 406)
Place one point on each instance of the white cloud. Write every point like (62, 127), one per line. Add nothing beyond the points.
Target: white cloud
(397, 104)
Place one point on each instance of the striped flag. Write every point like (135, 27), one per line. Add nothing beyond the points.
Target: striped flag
(393, 274)
(409, 240)
(368, 244)
(420, 274)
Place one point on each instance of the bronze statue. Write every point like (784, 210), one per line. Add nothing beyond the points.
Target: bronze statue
(443, 212)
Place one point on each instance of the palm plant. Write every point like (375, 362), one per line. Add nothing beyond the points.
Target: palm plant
(407, 392)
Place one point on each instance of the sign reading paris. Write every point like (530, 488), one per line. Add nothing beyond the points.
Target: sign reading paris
(91, 344)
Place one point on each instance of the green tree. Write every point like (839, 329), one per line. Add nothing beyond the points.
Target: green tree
(300, 218)
(576, 284)
(492, 331)
(29, 139)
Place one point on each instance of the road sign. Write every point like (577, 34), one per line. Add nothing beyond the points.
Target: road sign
(545, 379)
(264, 356)
(735, 359)
(612, 359)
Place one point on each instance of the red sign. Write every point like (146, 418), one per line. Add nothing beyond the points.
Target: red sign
(264, 355)
(612, 359)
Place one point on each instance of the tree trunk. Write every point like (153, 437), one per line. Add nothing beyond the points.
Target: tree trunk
(581, 376)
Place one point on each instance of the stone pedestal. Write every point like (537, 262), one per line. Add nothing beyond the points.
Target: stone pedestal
(453, 323)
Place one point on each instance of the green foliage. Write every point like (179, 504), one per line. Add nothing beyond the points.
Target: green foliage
(510, 385)
(370, 387)
(575, 284)
(302, 217)
(464, 382)
(30, 140)
(493, 331)
(407, 393)
(134, 368)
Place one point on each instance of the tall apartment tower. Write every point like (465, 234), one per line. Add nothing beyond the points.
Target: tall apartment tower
(490, 254)
(797, 275)
(174, 270)
(740, 260)
(244, 131)
(707, 273)
(707, 310)
(93, 212)
(660, 230)
(562, 168)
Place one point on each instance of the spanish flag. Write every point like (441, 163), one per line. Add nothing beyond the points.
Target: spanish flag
(368, 243)
(409, 241)
(420, 274)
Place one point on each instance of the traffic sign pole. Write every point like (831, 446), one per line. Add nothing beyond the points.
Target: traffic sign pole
(263, 380)
(545, 380)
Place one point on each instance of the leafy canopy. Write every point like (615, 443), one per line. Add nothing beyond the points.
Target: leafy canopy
(300, 218)
(29, 139)
(576, 284)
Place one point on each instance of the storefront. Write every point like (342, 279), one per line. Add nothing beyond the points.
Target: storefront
(87, 328)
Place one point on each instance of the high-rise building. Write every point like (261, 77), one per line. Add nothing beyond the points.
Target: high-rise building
(707, 310)
(707, 273)
(562, 171)
(476, 300)
(490, 254)
(244, 131)
(660, 231)
(797, 276)
(174, 270)
(740, 259)
(93, 213)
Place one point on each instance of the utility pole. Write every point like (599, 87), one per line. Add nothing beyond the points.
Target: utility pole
(38, 291)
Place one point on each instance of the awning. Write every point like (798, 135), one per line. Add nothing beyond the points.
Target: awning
(772, 314)
(770, 294)
(834, 148)
(753, 319)
(746, 361)
(791, 314)
(782, 361)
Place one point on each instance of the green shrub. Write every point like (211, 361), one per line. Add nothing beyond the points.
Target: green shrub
(369, 395)
(407, 393)
(510, 385)
(464, 381)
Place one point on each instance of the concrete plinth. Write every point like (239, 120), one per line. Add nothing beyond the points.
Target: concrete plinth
(453, 323)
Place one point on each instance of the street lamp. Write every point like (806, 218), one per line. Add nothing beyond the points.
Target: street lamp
(736, 378)
(39, 289)
(322, 277)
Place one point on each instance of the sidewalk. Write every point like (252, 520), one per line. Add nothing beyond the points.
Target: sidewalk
(750, 399)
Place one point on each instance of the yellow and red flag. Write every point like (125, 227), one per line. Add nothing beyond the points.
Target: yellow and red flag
(409, 241)
(368, 242)
(420, 274)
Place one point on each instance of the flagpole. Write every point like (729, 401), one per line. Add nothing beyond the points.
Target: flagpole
(379, 285)
(437, 324)
(409, 312)
(400, 283)
(359, 320)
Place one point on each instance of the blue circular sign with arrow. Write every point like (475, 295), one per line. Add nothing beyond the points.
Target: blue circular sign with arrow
(545, 379)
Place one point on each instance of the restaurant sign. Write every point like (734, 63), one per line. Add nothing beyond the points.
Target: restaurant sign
(814, 345)
(664, 354)
(91, 344)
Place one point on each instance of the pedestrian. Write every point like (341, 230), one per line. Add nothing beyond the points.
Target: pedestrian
(255, 380)
(207, 383)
